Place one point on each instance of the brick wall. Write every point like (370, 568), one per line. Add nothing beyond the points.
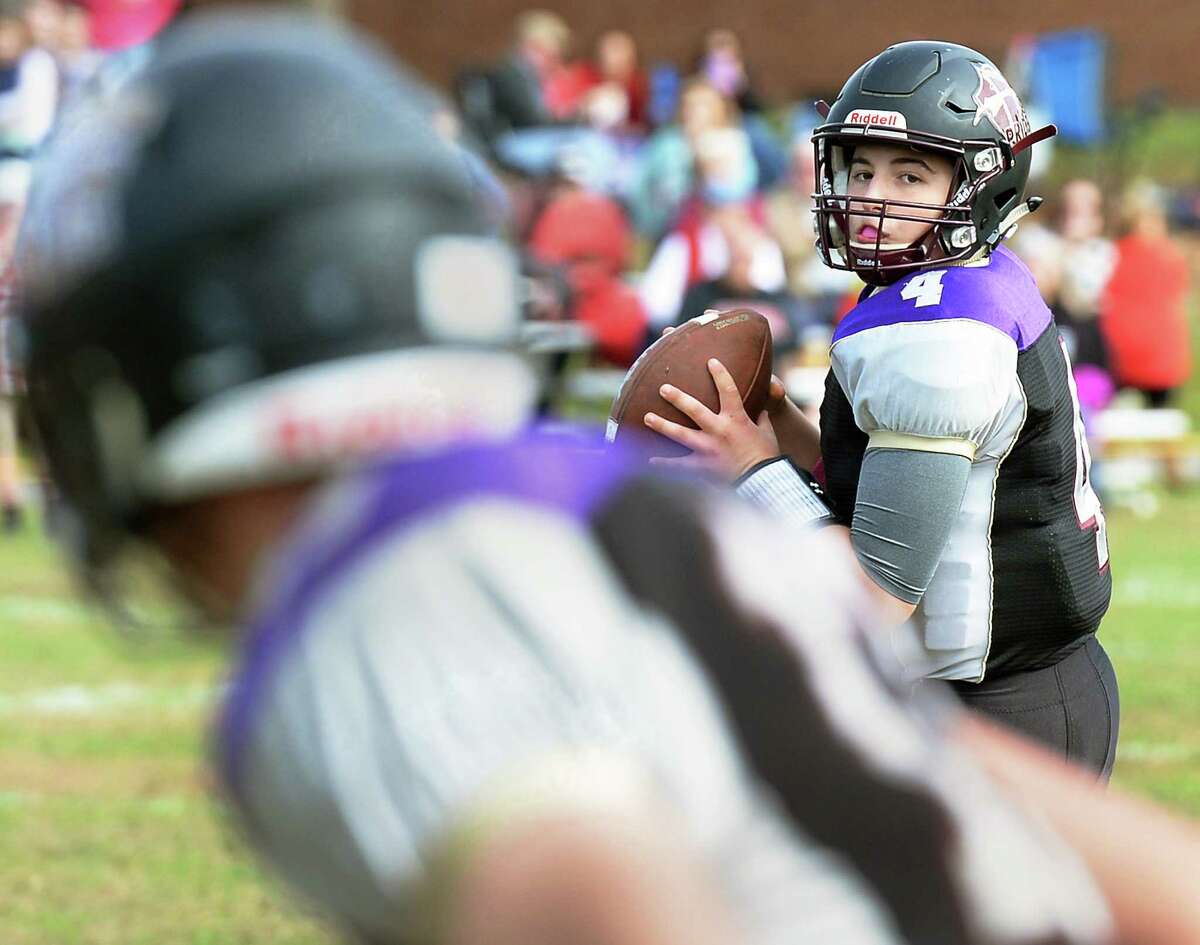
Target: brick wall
(796, 47)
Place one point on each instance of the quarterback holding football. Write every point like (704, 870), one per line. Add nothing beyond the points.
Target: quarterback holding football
(951, 439)
(489, 688)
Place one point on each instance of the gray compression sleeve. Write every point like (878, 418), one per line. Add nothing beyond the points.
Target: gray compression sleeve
(907, 503)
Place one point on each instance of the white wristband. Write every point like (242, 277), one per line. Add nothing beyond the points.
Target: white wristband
(780, 487)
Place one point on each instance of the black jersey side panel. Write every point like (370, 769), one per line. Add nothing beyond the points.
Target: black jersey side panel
(893, 833)
(1049, 589)
(843, 446)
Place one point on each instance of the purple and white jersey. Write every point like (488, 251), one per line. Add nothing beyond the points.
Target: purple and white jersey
(518, 631)
(967, 360)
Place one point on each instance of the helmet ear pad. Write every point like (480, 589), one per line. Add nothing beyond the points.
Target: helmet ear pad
(839, 221)
(953, 239)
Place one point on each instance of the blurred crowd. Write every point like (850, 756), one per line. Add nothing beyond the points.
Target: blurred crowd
(643, 194)
(1118, 284)
(656, 192)
(51, 52)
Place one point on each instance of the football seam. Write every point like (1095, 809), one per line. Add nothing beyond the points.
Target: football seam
(762, 357)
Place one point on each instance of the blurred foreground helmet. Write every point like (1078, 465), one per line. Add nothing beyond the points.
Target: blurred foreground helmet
(254, 262)
(931, 96)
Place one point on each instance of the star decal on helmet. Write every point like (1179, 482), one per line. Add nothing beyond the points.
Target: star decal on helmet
(996, 101)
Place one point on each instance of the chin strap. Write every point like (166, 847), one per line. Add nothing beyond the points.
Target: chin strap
(1008, 225)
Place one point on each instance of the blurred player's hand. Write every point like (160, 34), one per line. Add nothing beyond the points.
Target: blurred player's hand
(777, 399)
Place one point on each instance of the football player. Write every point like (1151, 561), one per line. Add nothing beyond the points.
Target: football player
(488, 690)
(950, 436)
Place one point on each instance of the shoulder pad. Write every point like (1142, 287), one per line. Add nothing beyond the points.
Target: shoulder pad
(1000, 294)
(940, 378)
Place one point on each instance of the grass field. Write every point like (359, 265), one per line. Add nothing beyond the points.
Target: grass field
(108, 832)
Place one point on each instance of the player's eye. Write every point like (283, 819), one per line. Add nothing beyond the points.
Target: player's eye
(861, 176)
(911, 179)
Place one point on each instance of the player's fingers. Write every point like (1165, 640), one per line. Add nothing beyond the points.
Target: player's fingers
(684, 436)
(776, 392)
(691, 407)
(731, 399)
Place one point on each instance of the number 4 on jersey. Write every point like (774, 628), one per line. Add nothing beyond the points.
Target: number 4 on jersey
(925, 288)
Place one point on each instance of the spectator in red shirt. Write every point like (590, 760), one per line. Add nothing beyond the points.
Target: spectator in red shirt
(1143, 314)
(616, 63)
(589, 236)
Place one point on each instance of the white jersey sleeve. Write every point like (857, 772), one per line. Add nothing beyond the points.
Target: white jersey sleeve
(491, 658)
(484, 664)
(939, 386)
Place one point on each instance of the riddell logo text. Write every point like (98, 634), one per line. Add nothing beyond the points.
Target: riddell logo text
(298, 436)
(879, 119)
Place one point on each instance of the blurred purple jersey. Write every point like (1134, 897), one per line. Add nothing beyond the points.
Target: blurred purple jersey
(530, 628)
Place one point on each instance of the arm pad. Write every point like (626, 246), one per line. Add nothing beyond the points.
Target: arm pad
(907, 503)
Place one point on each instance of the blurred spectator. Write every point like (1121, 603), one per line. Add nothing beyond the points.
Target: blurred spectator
(1143, 309)
(512, 95)
(602, 155)
(28, 84)
(699, 251)
(533, 69)
(28, 99)
(580, 128)
(45, 19)
(588, 235)
(1086, 260)
(71, 45)
(723, 64)
(665, 88)
(665, 177)
(668, 172)
(1040, 248)
(739, 285)
(125, 24)
(616, 67)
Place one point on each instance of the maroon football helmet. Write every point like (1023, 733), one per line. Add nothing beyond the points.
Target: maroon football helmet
(939, 98)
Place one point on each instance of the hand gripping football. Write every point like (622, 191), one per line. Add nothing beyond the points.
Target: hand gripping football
(739, 339)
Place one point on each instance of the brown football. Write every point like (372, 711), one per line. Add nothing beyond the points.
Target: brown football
(740, 339)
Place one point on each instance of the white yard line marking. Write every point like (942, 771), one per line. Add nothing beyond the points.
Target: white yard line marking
(1165, 589)
(1155, 752)
(30, 608)
(107, 699)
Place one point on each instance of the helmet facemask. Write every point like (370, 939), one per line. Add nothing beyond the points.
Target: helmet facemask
(953, 233)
